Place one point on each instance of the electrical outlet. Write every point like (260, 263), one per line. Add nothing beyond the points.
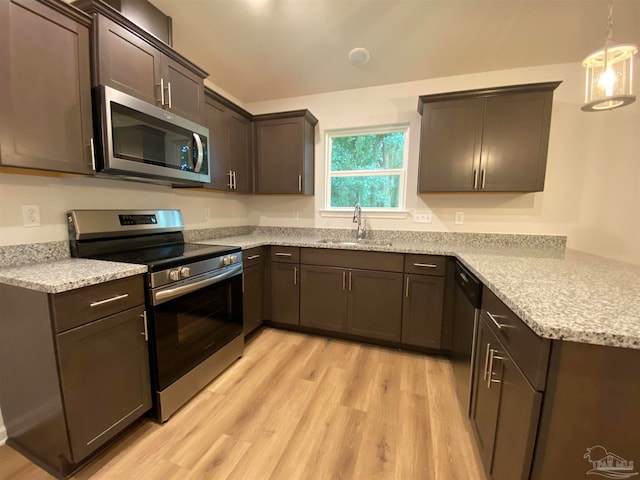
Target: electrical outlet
(207, 214)
(459, 218)
(422, 216)
(295, 216)
(31, 215)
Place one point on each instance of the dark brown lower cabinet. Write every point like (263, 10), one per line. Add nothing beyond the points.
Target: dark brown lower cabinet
(104, 376)
(323, 297)
(79, 369)
(422, 311)
(506, 410)
(253, 287)
(285, 293)
(366, 303)
(375, 304)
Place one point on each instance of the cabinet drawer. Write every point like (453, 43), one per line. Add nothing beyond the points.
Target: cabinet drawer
(285, 254)
(83, 305)
(529, 351)
(252, 256)
(386, 262)
(425, 264)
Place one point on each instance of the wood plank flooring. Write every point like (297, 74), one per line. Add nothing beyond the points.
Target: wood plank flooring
(300, 407)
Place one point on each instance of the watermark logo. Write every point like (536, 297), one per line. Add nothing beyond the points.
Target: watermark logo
(608, 464)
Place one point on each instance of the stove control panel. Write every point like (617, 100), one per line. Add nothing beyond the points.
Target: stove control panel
(228, 260)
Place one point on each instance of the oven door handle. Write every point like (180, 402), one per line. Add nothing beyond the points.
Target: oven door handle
(171, 293)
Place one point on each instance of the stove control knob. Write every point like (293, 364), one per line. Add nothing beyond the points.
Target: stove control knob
(185, 272)
(234, 259)
(226, 261)
(174, 275)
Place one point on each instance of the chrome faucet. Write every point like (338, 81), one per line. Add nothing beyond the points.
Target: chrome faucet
(357, 218)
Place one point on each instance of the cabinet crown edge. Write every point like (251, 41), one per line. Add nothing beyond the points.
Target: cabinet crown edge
(487, 92)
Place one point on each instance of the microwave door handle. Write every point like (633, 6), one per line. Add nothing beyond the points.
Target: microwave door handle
(200, 157)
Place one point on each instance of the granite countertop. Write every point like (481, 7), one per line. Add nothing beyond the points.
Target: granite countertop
(559, 293)
(62, 275)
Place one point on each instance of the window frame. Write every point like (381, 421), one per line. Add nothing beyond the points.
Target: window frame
(401, 172)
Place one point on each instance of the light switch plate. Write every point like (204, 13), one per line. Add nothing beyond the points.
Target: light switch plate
(422, 216)
(459, 218)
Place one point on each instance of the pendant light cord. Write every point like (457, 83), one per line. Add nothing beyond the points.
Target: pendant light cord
(609, 40)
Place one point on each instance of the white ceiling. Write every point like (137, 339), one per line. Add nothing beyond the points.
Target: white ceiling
(267, 49)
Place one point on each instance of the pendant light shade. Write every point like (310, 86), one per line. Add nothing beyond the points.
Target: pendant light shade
(609, 74)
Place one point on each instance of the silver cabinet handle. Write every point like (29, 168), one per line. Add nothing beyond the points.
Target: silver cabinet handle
(109, 300)
(299, 183)
(490, 369)
(146, 331)
(281, 254)
(344, 280)
(253, 257)
(92, 148)
(350, 281)
(295, 275)
(169, 92)
(406, 289)
(486, 361)
(483, 179)
(230, 184)
(425, 265)
(464, 277)
(475, 179)
(495, 321)
(490, 379)
(161, 99)
(235, 184)
(200, 156)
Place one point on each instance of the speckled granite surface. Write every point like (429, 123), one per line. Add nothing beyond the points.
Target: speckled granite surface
(33, 253)
(561, 294)
(69, 274)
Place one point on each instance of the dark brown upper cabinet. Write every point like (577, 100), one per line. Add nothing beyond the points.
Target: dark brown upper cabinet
(131, 60)
(45, 106)
(230, 145)
(284, 155)
(487, 140)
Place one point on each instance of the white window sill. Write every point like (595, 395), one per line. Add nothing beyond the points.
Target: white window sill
(366, 213)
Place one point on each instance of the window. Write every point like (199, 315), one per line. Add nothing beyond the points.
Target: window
(367, 165)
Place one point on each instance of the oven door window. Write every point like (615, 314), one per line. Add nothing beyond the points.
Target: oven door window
(192, 327)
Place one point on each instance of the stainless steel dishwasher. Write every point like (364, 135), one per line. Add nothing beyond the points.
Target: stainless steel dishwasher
(466, 312)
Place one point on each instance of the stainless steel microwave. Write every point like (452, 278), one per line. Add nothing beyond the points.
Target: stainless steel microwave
(140, 141)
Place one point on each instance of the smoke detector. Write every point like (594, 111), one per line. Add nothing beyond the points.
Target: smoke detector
(359, 56)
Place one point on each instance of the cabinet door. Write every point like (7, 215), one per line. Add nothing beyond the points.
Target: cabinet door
(422, 310)
(484, 416)
(451, 138)
(104, 376)
(240, 135)
(517, 423)
(45, 106)
(216, 122)
(184, 90)
(375, 304)
(515, 140)
(279, 155)
(128, 63)
(285, 293)
(252, 297)
(323, 297)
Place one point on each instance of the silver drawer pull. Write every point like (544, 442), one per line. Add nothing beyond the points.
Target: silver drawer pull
(253, 257)
(486, 361)
(495, 321)
(108, 300)
(426, 265)
(280, 254)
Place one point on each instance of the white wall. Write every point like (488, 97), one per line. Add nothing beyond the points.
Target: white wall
(57, 195)
(592, 183)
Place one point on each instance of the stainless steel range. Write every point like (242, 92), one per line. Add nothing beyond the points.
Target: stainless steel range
(193, 295)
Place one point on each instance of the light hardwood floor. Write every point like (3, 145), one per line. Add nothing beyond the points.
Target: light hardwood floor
(300, 407)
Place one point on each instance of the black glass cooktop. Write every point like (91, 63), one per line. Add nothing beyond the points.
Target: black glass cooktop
(167, 256)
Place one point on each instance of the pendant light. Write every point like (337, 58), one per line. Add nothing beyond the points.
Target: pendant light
(609, 81)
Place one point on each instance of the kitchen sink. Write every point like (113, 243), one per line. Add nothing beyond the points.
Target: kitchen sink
(364, 241)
